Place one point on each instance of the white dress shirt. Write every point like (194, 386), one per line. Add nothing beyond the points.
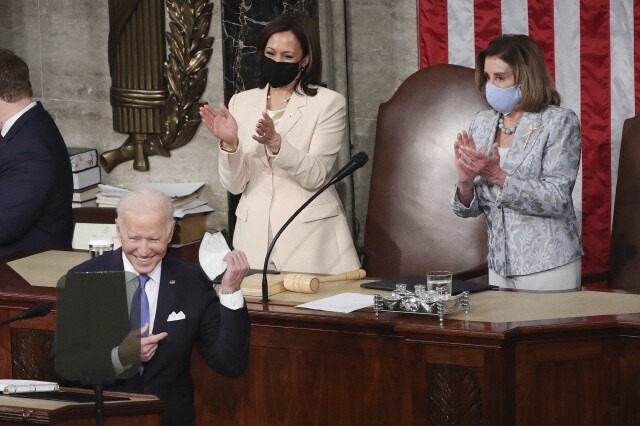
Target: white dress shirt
(151, 288)
(10, 122)
(232, 301)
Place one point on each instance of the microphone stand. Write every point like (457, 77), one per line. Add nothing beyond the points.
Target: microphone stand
(265, 285)
(10, 320)
(40, 309)
(357, 161)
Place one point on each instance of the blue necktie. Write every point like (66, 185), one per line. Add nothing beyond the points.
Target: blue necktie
(144, 303)
(140, 310)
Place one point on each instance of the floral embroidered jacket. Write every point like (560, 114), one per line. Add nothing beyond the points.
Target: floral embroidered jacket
(531, 223)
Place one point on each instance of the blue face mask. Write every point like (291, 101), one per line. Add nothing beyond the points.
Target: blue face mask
(503, 100)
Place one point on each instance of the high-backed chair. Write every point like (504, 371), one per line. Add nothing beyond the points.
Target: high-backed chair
(624, 257)
(410, 227)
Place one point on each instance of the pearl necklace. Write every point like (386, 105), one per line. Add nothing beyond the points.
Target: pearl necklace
(506, 131)
(286, 100)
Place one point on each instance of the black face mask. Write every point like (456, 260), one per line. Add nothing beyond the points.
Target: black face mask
(278, 74)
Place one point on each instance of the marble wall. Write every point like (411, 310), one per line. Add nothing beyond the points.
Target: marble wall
(369, 49)
(382, 51)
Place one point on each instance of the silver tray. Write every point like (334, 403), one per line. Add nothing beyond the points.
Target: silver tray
(411, 304)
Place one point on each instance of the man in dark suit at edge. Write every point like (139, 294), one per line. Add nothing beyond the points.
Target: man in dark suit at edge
(219, 325)
(36, 184)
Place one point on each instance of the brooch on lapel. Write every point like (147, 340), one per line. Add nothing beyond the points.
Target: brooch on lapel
(171, 282)
(531, 129)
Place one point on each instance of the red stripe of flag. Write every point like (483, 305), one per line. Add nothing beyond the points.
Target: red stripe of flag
(541, 30)
(487, 16)
(433, 27)
(595, 87)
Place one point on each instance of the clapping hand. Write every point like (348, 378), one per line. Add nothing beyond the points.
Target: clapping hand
(221, 124)
(471, 162)
(464, 165)
(266, 133)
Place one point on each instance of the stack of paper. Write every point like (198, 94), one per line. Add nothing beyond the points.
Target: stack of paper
(110, 195)
(188, 209)
(184, 195)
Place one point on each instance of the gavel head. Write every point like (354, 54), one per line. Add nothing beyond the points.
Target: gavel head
(301, 283)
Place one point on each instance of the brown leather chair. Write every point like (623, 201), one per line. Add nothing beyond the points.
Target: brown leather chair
(410, 227)
(624, 257)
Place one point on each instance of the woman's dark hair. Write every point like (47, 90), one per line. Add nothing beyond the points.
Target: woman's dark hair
(523, 54)
(306, 32)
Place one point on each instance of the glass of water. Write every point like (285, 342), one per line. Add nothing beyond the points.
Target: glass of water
(440, 280)
(100, 244)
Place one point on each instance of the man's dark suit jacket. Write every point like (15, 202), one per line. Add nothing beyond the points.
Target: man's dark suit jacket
(36, 185)
(222, 335)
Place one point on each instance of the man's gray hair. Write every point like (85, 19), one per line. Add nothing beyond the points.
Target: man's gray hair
(145, 199)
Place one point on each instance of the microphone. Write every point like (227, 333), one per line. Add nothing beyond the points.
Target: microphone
(357, 161)
(40, 309)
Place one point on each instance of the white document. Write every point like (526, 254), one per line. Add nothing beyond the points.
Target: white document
(344, 303)
(83, 232)
(173, 190)
(191, 204)
(109, 191)
(20, 386)
(203, 208)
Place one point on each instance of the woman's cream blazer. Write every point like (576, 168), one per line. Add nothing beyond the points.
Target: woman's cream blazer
(312, 128)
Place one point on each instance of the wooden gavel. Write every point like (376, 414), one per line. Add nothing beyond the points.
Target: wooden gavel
(305, 283)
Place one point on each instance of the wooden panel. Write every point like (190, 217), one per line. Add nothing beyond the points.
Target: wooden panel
(454, 396)
(30, 351)
(297, 377)
(566, 383)
(629, 375)
(466, 383)
(309, 367)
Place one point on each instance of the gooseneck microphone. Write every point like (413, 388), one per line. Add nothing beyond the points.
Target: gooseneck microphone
(357, 161)
(40, 309)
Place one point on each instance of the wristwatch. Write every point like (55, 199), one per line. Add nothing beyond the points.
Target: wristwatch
(234, 291)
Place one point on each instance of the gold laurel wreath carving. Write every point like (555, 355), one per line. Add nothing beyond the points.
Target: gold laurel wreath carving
(186, 68)
(186, 74)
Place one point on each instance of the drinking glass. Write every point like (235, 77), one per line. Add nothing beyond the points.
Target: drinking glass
(440, 279)
(100, 244)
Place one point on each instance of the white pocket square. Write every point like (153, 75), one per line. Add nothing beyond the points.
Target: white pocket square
(176, 317)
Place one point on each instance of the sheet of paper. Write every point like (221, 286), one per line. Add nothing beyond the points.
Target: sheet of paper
(200, 209)
(344, 303)
(83, 232)
(109, 191)
(191, 204)
(173, 190)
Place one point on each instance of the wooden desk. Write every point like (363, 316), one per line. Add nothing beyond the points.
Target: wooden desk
(140, 410)
(311, 367)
